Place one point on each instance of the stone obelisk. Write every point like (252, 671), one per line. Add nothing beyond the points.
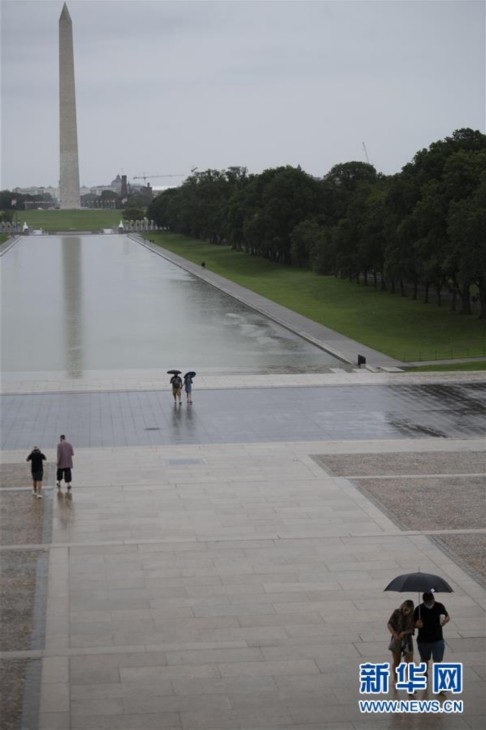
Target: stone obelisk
(69, 197)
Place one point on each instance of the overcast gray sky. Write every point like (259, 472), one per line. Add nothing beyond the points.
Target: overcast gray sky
(164, 86)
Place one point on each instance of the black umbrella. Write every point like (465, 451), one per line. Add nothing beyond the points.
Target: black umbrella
(420, 582)
(190, 374)
(173, 372)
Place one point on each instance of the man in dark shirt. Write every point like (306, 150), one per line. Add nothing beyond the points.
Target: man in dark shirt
(429, 619)
(176, 382)
(36, 457)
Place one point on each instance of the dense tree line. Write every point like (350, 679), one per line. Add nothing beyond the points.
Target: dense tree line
(420, 231)
(12, 201)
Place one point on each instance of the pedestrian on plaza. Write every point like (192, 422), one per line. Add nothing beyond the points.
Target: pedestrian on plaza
(176, 382)
(188, 386)
(65, 453)
(429, 618)
(401, 626)
(36, 457)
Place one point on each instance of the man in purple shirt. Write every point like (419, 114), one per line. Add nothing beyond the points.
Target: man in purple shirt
(65, 453)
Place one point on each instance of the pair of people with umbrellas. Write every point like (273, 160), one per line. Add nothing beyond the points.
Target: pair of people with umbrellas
(428, 617)
(177, 383)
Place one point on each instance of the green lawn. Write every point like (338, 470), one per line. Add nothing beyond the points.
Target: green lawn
(70, 220)
(479, 365)
(399, 327)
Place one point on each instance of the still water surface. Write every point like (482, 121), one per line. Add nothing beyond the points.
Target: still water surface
(76, 305)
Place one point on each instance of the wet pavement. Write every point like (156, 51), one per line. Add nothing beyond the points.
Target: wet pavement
(239, 586)
(246, 415)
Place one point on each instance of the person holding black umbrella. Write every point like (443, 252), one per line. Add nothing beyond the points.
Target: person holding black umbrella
(188, 385)
(429, 619)
(176, 382)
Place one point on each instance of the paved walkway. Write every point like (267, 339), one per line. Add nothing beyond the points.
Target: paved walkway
(357, 410)
(196, 585)
(233, 586)
(233, 583)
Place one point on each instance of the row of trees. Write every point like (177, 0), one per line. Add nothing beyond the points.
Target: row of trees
(12, 201)
(421, 230)
(135, 200)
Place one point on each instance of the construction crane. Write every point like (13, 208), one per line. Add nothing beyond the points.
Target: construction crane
(149, 177)
(366, 153)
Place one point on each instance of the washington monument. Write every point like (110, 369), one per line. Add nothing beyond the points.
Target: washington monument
(69, 197)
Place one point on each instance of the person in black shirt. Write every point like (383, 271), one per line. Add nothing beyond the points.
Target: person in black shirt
(429, 619)
(36, 457)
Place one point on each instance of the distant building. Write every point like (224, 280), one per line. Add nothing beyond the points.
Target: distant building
(95, 196)
(116, 184)
(38, 190)
(41, 197)
(115, 187)
(124, 189)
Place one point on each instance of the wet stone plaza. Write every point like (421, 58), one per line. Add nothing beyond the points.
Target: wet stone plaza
(246, 414)
(220, 565)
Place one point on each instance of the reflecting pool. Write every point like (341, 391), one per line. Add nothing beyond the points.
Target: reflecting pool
(76, 305)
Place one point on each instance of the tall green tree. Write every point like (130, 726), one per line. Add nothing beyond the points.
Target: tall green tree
(467, 231)
(340, 186)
